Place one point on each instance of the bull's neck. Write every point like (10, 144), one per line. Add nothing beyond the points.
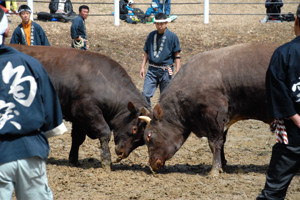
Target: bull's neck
(173, 116)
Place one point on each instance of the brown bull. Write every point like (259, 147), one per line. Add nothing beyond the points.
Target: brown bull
(97, 96)
(213, 90)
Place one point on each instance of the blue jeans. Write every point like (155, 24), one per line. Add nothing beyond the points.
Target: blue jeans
(154, 77)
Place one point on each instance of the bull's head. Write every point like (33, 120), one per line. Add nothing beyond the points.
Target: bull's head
(129, 133)
(161, 138)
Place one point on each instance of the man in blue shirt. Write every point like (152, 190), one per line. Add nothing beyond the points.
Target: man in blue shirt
(30, 112)
(162, 49)
(152, 11)
(78, 30)
(283, 97)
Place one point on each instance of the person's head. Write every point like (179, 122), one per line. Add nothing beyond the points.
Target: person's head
(3, 26)
(24, 12)
(154, 6)
(161, 22)
(84, 11)
(131, 3)
(297, 22)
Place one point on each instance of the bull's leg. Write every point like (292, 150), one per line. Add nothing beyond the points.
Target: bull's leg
(100, 129)
(78, 137)
(106, 156)
(216, 145)
(88, 112)
(223, 159)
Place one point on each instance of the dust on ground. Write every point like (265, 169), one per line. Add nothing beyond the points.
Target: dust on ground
(249, 143)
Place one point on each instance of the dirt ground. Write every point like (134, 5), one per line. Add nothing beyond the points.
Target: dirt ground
(249, 143)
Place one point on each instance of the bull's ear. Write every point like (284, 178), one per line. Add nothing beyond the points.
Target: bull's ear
(131, 107)
(157, 112)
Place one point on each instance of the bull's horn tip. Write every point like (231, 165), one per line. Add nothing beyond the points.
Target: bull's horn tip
(145, 118)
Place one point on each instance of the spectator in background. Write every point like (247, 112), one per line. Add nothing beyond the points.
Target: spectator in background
(30, 113)
(78, 30)
(152, 11)
(11, 6)
(131, 18)
(61, 7)
(273, 9)
(28, 32)
(123, 9)
(164, 6)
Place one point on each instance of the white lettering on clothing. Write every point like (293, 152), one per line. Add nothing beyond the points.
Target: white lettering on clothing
(8, 109)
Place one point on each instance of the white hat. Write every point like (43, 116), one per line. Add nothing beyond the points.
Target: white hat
(130, 2)
(24, 8)
(154, 5)
(162, 20)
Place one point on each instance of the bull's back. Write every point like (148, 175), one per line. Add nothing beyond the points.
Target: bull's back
(233, 76)
(239, 63)
(77, 67)
(79, 74)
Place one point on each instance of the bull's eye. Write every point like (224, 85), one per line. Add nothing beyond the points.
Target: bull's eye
(148, 137)
(134, 130)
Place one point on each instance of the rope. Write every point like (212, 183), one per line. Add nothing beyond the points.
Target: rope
(78, 44)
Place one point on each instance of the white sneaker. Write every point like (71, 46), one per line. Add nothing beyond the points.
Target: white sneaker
(264, 20)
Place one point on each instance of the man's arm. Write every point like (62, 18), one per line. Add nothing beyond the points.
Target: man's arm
(74, 30)
(177, 60)
(145, 59)
(15, 38)
(296, 119)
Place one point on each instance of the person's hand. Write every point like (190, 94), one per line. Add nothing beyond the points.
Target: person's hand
(296, 119)
(142, 72)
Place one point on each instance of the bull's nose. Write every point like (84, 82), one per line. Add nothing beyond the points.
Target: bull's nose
(121, 155)
(120, 152)
(157, 165)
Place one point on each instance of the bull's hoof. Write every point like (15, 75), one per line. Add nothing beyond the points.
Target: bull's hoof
(215, 172)
(106, 166)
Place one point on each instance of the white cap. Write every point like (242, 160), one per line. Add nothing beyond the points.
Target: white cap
(154, 5)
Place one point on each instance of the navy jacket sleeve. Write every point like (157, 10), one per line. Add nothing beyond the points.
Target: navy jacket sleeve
(16, 37)
(74, 28)
(42, 36)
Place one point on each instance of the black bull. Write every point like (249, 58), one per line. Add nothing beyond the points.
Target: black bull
(213, 90)
(97, 96)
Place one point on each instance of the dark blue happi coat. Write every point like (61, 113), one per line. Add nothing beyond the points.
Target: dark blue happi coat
(283, 86)
(29, 107)
(161, 47)
(78, 28)
(38, 36)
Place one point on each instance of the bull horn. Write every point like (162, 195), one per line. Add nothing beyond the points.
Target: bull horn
(145, 118)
